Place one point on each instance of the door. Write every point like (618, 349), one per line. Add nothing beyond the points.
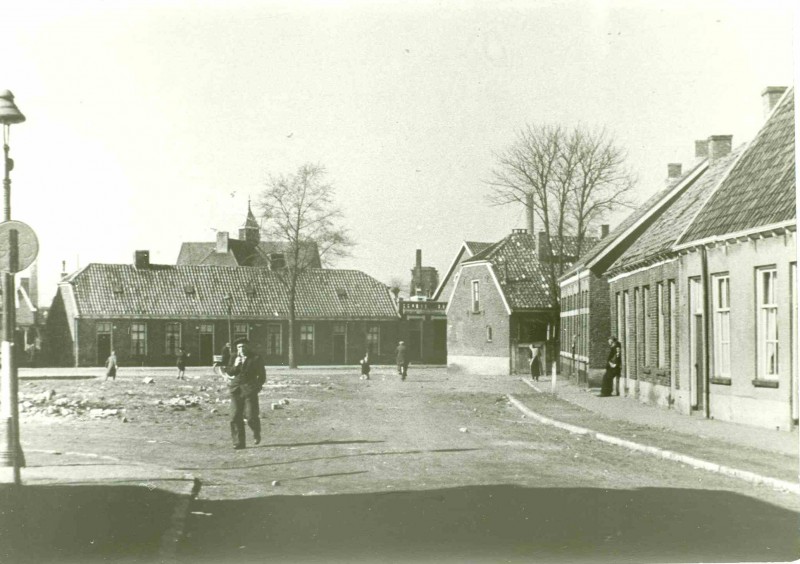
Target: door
(103, 348)
(699, 367)
(339, 346)
(415, 344)
(206, 353)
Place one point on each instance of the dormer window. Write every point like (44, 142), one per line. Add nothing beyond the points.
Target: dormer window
(277, 261)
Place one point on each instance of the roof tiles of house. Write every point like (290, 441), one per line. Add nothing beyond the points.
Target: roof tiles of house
(165, 291)
(760, 188)
(657, 241)
(626, 224)
(516, 264)
(476, 247)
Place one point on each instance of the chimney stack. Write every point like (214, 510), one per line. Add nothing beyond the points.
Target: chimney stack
(719, 146)
(141, 259)
(419, 258)
(604, 231)
(63, 269)
(673, 173)
(770, 97)
(222, 242)
(701, 149)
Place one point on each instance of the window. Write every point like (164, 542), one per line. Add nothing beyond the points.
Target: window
(673, 350)
(488, 334)
(767, 323)
(240, 331)
(306, 339)
(626, 346)
(720, 286)
(173, 338)
(620, 323)
(660, 313)
(274, 340)
(104, 327)
(646, 309)
(374, 339)
(476, 297)
(138, 339)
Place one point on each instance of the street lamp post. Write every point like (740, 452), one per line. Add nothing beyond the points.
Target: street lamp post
(11, 451)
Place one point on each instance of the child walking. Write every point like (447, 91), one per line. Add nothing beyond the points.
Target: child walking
(365, 367)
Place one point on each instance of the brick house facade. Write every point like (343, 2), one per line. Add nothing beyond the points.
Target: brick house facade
(145, 312)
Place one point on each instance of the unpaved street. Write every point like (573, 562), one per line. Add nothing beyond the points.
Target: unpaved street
(437, 468)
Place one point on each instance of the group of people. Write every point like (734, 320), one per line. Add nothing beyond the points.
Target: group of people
(612, 373)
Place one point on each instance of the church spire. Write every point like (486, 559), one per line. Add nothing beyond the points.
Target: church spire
(250, 231)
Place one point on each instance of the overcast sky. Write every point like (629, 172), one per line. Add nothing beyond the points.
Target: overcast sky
(150, 123)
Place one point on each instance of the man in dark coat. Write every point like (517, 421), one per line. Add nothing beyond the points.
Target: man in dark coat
(402, 360)
(613, 367)
(246, 377)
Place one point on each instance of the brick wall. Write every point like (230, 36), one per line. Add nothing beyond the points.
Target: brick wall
(585, 310)
(642, 289)
(467, 332)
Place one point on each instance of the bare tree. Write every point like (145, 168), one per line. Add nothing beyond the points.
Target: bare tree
(395, 286)
(571, 179)
(299, 210)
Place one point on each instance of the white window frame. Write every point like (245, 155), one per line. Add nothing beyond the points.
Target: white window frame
(767, 323)
(178, 344)
(646, 309)
(661, 353)
(270, 332)
(673, 337)
(721, 337)
(476, 296)
(241, 331)
(304, 334)
(135, 331)
(374, 338)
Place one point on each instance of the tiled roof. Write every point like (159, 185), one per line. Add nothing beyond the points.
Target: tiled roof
(626, 224)
(760, 189)
(165, 291)
(475, 247)
(659, 238)
(516, 264)
(240, 253)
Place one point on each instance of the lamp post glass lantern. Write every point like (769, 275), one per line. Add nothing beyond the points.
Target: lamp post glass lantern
(10, 449)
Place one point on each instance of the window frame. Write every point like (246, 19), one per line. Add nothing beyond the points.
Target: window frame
(373, 336)
(766, 312)
(721, 325)
(476, 296)
(172, 351)
(138, 335)
(304, 339)
(269, 333)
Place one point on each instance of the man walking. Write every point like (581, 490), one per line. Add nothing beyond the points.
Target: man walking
(402, 360)
(246, 377)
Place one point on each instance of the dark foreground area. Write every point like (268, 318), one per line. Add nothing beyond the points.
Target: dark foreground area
(71, 524)
(494, 524)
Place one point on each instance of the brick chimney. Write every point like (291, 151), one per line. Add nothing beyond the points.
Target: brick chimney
(543, 246)
(141, 259)
(701, 149)
(222, 242)
(64, 269)
(604, 231)
(719, 146)
(770, 97)
(674, 171)
(419, 258)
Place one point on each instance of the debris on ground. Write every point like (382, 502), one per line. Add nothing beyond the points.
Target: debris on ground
(148, 380)
(464, 430)
(275, 406)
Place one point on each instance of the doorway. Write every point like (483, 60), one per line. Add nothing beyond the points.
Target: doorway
(103, 348)
(339, 344)
(206, 352)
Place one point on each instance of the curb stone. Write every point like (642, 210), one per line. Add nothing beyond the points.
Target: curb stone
(744, 475)
(167, 551)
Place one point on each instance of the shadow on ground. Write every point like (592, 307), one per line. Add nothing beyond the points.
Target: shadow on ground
(494, 524)
(83, 523)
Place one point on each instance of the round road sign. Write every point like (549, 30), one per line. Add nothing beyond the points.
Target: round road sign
(18, 246)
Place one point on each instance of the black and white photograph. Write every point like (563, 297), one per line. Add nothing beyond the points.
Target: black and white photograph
(407, 282)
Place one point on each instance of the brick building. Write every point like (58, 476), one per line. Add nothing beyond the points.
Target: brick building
(468, 250)
(145, 312)
(707, 262)
(501, 304)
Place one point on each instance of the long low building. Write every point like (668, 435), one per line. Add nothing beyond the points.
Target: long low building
(146, 312)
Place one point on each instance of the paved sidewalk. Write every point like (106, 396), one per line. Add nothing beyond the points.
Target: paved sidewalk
(82, 507)
(631, 410)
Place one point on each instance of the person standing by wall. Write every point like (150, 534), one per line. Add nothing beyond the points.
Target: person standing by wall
(246, 376)
(365, 368)
(613, 367)
(535, 363)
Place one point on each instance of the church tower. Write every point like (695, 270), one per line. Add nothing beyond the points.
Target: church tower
(250, 231)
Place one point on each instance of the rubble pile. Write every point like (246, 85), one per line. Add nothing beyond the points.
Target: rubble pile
(45, 403)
